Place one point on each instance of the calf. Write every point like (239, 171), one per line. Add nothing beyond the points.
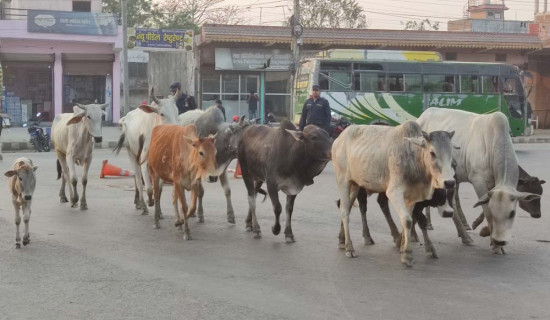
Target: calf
(286, 160)
(21, 182)
(177, 155)
(404, 162)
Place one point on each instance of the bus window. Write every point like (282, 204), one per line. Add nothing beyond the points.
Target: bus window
(372, 82)
(469, 84)
(513, 93)
(510, 86)
(413, 82)
(489, 84)
(439, 83)
(335, 76)
(395, 82)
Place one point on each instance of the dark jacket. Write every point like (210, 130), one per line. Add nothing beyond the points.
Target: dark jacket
(180, 103)
(252, 102)
(316, 112)
(223, 111)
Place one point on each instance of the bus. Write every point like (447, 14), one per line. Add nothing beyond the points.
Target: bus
(390, 87)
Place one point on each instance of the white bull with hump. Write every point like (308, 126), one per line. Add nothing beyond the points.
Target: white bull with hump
(404, 162)
(487, 160)
(73, 136)
(137, 127)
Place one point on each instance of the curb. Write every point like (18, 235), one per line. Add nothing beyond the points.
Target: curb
(27, 146)
(531, 140)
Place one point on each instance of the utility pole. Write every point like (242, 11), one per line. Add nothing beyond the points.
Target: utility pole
(125, 78)
(296, 30)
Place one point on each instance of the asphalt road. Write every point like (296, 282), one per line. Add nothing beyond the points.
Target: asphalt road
(109, 262)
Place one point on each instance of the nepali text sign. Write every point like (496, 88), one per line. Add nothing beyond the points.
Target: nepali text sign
(160, 38)
(89, 23)
(253, 59)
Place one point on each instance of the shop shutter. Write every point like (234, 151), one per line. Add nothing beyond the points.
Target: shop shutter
(87, 65)
(27, 57)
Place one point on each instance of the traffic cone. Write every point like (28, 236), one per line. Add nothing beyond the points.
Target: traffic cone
(110, 170)
(238, 171)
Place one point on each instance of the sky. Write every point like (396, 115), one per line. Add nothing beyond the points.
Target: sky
(387, 14)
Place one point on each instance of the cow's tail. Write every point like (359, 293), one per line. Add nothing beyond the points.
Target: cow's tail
(120, 143)
(140, 149)
(59, 170)
(261, 191)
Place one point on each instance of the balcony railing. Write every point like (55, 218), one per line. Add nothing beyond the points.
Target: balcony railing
(8, 13)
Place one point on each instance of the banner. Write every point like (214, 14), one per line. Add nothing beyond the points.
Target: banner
(253, 59)
(159, 38)
(89, 23)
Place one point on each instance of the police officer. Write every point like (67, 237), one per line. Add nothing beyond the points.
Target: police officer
(180, 102)
(316, 110)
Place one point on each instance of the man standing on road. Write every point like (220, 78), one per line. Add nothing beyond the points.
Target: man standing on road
(252, 105)
(181, 102)
(316, 111)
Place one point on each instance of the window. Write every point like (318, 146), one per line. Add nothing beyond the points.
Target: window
(413, 82)
(395, 82)
(489, 84)
(439, 83)
(370, 82)
(501, 57)
(335, 76)
(211, 83)
(510, 86)
(469, 84)
(82, 6)
(451, 56)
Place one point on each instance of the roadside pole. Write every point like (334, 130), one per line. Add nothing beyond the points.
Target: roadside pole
(296, 31)
(125, 78)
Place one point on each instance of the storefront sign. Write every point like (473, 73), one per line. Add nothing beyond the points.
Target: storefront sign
(253, 59)
(90, 23)
(159, 38)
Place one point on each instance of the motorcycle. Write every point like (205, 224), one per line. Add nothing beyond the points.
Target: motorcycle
(337, 125)
(39, 139)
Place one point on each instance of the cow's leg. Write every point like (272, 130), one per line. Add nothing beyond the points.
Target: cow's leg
(251, 221)
(17, 223)
(199, 194)
(466, 239)
(175, 196)
(478, 220)
(64, 176)
(227, 190)
(362, 199)
(459, 209)
(195, 191)
(289, 236)
(161, 187)
(423, 223)
(429, 219)
(148, 186)
(348, 193)
(86, 167)
(138, 180)
(73, 181)
(277, 208)
(26, 219)
(396, 196)
(156, 191)
(383, 203)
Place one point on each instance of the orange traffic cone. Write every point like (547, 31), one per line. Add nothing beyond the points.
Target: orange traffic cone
(110, 170)
(238, 171)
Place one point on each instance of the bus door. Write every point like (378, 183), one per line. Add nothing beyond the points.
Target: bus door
(513, 92)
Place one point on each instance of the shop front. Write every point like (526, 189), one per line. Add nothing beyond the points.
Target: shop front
(239, 71)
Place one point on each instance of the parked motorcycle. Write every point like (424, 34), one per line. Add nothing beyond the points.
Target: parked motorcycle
(337, 125)
(39, 139)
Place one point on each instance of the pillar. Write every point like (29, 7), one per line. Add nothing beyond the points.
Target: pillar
(262, 96)
(536, 6)
(58, 84)
(116, 88)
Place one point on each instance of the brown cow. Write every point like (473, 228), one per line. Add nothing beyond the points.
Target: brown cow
(177, 155)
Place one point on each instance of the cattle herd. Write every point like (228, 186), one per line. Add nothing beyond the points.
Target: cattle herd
(415, 165)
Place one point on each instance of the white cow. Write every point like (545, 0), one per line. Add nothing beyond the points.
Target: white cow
(21, 183)
(404, 162)
(487, 160)
(73, 136)
(137, 126)
(189, 117)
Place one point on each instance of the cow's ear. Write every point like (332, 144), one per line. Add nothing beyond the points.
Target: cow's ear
(526, 196)
(417, 141)
(82, 106)
(542, 181)
(75, 119)
(10, 173)
(451, 134)
(149, 109)
(34, 168)
(298, 135)
(212, 136)
(241, 120)
(104, 106)
(484, 199)
(426, 136)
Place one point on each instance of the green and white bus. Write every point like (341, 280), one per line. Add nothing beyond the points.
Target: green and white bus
(389, 87)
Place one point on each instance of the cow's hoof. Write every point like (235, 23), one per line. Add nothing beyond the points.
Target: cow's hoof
(341, 245)
(429, 227)
(249, 228)
(407, 259)
(74, 205)
(201, 219)
(350, 254)
(467, 240)
(276, 229)
(145, 212)
(186, 236)
(289, 239)
(63, 200)
(467, 227)
(193, 215)
(432, 254)
(156, 226)
(369, 241)
(161, 217)
(17, 246)
(83, 206)
(414, 237)
(499, 250)
(257, 234)
(231, 217)
(25, 241)
(485, 232)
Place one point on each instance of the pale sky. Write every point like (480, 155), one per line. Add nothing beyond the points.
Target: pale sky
(387, 14)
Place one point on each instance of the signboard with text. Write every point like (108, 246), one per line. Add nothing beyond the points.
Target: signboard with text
(88, 23)
(253, 59)
(160, 38)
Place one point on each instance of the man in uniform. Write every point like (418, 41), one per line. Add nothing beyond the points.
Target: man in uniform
(181, 101)
(316, 111)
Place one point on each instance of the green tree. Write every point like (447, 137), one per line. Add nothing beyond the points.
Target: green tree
(425, 24)
(332, 14)
(141, 13)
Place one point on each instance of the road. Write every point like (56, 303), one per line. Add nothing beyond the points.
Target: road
(109, 262)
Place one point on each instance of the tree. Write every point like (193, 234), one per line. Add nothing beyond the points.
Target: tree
(141, 13)
(332, 14)
(425, 24)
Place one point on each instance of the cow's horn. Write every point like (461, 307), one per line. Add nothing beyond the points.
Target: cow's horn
(82, 106)
(152, 96)
(104, 106)
(213, 136)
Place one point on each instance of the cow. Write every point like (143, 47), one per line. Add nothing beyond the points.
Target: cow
(487, 160)
(137, 126)
(178, 155)
(227, 140)
(286, 160)
(21, 182)
(73, 136)
(403, 161)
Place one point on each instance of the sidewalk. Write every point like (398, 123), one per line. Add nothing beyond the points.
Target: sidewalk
(16, 139)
